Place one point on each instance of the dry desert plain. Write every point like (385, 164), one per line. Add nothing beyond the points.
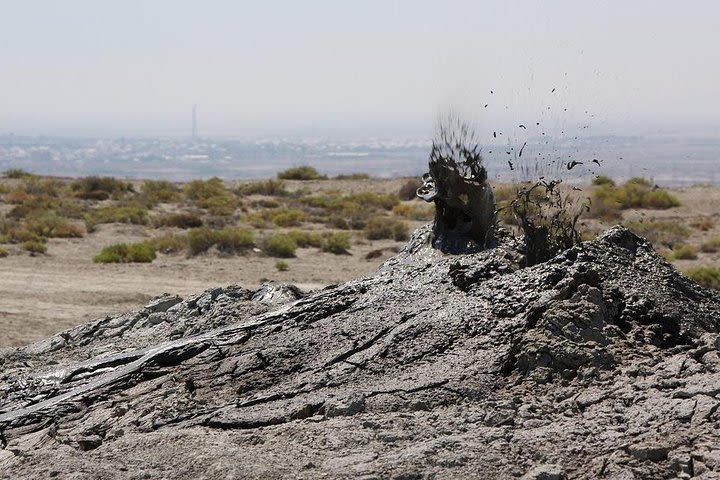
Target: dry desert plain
(43, 293)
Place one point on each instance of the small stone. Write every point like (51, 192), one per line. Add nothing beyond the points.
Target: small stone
(545, 472)
(652, 451)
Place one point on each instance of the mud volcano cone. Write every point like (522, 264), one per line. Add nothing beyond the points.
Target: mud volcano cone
(599, 363)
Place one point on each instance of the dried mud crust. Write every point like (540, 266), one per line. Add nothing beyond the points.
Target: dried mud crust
(600, 363)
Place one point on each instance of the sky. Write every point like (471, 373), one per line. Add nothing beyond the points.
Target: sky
(116, 67)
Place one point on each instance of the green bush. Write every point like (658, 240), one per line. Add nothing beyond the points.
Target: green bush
(227, 240)
(133, 214)
(156, 192)
(234, 240)
(337, 243)
(213, 196)
(34, 246)
(280, 245)
(126, 253)
(684, 252)
(608, 200)
(301, 173)
(271, 187)
(200, 240)
(99, 188)
(16, 173)
(3, 252)
(179, 220)
(664, 233)
(353, 176)
(711, 246)
(287, 218)
(706, 276)
(378, 228)
(282, 266)
(49, 224)
(415, 210)
(306, 239)
(169, 243)
(603, 180)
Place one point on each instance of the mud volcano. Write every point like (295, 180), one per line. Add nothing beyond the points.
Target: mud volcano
(599, 363)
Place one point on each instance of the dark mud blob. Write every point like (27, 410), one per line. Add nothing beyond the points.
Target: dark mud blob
(457, 183)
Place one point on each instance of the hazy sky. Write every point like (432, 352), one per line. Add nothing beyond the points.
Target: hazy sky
(127, 66)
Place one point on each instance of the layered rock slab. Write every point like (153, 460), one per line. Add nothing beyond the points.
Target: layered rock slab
(600, 363)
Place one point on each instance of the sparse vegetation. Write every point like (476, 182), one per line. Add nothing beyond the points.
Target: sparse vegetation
(227, 240)
(3, 252)
(155, 192)
(409, 189)
(706, 276)
(301, 173)
(34, 246)
(711, 246)
(212, 196)
(280, 245)
(169, 243)
(179, 220)
(353, 176)
(129, 213)
(282, 266)
(703, 224)
(415, 211)
(607, 200)
(667, 234)
(271, 187)
(603, 180)
(337, 243)
(378, 228)
(684, 252)
(99, 188)
(126, 253)
(16, 173)
(305, 239)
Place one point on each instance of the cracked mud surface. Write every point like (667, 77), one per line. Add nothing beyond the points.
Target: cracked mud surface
(600, 363)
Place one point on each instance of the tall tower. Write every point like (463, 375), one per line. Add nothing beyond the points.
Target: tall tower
(194, 122)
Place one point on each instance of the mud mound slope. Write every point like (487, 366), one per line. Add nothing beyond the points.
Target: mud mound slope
(600, 363)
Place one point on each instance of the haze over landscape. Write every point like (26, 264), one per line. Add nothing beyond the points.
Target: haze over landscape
(355, 86)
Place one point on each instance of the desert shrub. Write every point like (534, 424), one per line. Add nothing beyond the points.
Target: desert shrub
(353, 176)
(213, 196)
(415, 211)
(99, 188)
(134, 214)
(159, 191)
(266, 203)
(663, 233)
(301, 173)
(179, 220)
(282, 266)
(169, 243)
(706, 276)
(126, 253)
(603, 180)
(684, 252)
(41, 186)
(703, 224)
(305, 239)
(227, 240)
(372, 199)
(287, 218)
(34, 246)
(711, 246)
(16, 173)
(337, 243)
(280, 245)
(635, 193)
(234, 240)
(408, 191)
(271, 187)
(4, 188)
(49, 224)
(17, 197)
(200, 240)
(378, 228)
(3, 252)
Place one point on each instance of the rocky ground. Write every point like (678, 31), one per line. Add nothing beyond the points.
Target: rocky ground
(600, 363)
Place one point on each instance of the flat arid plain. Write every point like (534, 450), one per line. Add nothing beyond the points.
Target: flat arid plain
(183, 238)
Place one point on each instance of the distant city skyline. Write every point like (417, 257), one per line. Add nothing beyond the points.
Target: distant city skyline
(320, 67)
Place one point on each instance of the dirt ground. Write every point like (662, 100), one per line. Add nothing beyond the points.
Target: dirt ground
(41, 295)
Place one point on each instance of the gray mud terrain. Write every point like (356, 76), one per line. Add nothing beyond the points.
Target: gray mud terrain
(600, 363)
